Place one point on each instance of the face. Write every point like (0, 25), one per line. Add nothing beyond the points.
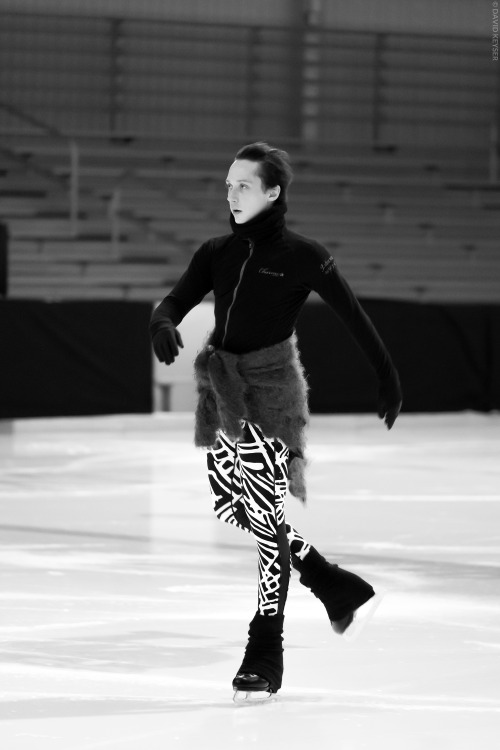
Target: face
(246, 194)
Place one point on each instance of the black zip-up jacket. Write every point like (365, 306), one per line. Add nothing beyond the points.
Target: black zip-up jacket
(261, 276)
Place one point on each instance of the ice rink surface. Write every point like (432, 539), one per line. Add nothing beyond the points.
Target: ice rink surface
(125, 603)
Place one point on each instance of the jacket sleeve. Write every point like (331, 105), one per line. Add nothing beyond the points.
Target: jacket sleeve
(194, 284)
(324, 277)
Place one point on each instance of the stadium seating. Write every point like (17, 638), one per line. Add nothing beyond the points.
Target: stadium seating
(115, 145)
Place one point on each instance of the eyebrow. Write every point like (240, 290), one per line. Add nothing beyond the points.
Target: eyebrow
(249, 182)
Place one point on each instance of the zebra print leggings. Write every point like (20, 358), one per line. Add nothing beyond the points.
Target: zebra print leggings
(248, 484)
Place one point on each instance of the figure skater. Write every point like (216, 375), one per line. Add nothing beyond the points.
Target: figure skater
(252, 394)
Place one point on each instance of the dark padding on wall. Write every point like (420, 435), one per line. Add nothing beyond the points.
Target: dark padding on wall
(448, 357)
(494, 359)
(4, 260)
(83, 358)
(74, 358)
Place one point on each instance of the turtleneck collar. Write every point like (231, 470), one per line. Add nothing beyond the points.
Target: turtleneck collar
(266, 227)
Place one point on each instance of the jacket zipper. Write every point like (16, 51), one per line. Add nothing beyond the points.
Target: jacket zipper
(242, 270)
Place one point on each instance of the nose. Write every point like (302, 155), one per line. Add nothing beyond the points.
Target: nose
(230, 195)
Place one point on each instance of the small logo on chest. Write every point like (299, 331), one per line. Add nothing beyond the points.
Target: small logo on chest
(268, 272)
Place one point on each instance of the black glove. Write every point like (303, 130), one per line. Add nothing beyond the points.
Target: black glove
(166, 343)
(390, 399)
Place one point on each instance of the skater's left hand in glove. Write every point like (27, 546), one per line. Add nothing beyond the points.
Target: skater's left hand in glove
(390, 399)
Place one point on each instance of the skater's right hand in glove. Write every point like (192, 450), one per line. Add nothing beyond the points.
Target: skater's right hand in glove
(390, 399)
(166, 343)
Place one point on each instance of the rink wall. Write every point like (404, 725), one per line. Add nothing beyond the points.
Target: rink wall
(74, 358)
(82, 358)
(448, 357)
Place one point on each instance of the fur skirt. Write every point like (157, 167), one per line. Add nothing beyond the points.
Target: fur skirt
(266, 387)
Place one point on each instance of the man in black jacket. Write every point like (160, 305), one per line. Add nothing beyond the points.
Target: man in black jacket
(252, 405)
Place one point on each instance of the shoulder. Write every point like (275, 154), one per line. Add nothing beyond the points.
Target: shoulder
(308, 251)
(304, 244)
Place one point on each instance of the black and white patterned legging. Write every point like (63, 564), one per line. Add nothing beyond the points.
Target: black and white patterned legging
(248, 484)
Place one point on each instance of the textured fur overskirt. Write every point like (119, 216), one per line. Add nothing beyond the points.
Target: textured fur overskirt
(266, 387)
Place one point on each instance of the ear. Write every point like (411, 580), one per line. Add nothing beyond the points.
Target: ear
(274, 193)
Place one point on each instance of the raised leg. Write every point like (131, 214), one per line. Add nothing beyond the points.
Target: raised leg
(224, 473)
(241, 498)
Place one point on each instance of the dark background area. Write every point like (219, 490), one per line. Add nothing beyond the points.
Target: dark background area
(74, 358)
(447, 357)
(83, 358)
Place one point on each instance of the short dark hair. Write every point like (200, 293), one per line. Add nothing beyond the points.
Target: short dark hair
(274, 166)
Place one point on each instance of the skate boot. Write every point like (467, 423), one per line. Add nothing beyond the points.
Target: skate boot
(261, 671)
(348, 599)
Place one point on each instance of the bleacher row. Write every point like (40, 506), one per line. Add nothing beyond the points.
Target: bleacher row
(408, 225)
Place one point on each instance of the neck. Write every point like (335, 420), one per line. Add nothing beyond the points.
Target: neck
(266, 226)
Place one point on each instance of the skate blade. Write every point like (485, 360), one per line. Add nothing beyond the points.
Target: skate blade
(362, 617)
(252, 697)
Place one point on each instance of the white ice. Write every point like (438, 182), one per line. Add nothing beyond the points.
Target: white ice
(125, 603)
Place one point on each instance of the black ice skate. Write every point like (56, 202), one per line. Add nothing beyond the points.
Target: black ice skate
(348, 599)
(259, 677)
